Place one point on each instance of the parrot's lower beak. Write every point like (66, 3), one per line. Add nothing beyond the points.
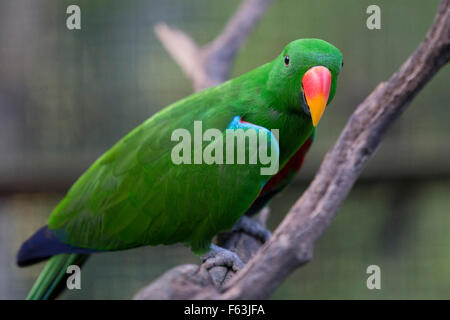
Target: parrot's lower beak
(316, 87)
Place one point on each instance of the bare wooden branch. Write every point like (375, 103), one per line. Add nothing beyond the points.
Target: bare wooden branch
(187, 281)
(210, 65)
(292, 244)
(184, 51)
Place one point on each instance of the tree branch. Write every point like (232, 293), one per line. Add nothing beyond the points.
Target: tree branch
(187, 281)
(291, 246)
(210, 65)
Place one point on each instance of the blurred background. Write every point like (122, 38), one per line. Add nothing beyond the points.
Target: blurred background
(67, 96)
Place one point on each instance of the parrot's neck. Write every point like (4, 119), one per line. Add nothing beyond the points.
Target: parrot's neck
(257, 105)
(294, 130)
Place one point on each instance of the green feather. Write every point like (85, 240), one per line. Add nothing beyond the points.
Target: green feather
(54, 271)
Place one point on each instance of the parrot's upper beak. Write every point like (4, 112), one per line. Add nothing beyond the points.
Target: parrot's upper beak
(316, 87)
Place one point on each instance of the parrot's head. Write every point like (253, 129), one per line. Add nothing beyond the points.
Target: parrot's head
(304, 77)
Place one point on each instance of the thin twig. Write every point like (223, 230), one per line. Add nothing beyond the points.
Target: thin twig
(210, 65)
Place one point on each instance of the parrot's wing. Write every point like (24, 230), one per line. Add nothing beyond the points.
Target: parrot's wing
(136, 195)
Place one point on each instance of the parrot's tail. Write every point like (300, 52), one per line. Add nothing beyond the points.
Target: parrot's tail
(51, 282)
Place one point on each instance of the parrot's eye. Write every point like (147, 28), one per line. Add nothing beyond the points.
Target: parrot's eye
(286, 60)
(342, 64)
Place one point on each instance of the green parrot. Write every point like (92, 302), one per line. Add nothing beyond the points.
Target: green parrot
(136, 194)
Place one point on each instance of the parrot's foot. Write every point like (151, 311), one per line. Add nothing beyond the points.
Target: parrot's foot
(252, 228)
(220, 257)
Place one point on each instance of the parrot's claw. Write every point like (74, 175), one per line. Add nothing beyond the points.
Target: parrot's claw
(220, 257)
(252, 228)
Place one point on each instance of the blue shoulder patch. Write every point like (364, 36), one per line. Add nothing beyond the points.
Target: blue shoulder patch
(238, 123)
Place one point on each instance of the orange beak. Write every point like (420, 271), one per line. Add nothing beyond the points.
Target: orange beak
(316, 87)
